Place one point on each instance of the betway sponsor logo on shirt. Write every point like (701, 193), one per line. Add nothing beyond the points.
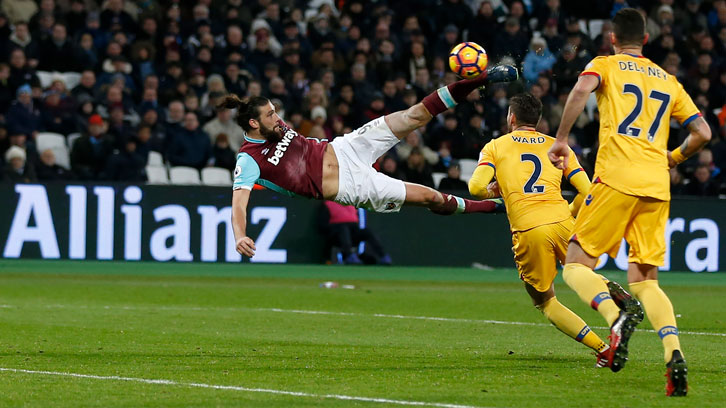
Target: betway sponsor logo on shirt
(281, 147)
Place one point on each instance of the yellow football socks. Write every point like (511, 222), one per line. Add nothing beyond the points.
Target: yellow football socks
(571, 324)
(592, 290)
(660, 313)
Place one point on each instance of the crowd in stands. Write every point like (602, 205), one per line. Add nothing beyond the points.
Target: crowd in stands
(148, 75)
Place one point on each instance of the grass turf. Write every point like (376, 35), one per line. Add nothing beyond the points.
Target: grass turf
(241, 325)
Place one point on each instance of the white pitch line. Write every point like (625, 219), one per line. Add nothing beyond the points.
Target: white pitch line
(237, 388)
(451, 319)
(329, 313)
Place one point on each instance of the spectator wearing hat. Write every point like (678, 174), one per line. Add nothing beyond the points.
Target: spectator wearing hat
(225, 123)
(539, 59)
(48, 170)
(376, 107)
(319, 118)
(23, 116)
(16, 169)
(551, 34)
(191, 146)
(197, 81)
(453, 181)
(101, 37)
(292, 38)
(90, 152)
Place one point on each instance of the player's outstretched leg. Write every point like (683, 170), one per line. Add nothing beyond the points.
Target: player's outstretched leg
(447, 204)
(568, 322)
(404, 122)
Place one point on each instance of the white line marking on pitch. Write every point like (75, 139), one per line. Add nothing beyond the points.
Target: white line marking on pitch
(328, 313)
(450, 319)
(237, 388)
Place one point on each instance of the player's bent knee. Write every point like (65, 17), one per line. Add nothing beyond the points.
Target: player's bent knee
(575, 254)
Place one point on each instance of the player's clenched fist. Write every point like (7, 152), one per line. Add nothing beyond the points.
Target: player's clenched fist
(558, 154)
(246, 246)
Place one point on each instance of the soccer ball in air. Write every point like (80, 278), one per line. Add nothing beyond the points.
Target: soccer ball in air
(468, 60)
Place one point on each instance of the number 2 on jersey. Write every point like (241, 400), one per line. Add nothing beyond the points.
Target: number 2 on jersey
(625, 129)
(530, 187)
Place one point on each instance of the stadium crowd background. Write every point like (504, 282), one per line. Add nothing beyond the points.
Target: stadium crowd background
(120, 80)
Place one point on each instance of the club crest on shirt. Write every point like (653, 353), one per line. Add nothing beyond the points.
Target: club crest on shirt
(588, 199)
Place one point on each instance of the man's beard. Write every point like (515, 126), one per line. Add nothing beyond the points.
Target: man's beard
(271, 135)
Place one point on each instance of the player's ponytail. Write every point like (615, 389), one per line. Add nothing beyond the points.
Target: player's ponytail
(246, 110)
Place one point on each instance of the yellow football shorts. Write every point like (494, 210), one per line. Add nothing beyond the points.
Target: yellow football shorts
(537, 251)
(608, 215)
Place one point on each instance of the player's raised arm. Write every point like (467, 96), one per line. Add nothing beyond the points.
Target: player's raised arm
(244, 244)
(699, 136)
(558, 153)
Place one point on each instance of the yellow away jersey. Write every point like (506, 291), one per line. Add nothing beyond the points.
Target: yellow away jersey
(529, 183)
(636, 100)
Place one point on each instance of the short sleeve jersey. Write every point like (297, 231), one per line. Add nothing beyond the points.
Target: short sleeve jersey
(292, 166)
(529, 183)
(636, 100)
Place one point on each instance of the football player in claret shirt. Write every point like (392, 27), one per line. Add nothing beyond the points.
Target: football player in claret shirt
(630, 195)
(540, 219)
(276, 157)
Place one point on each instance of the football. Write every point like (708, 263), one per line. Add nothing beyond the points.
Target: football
(468, 60)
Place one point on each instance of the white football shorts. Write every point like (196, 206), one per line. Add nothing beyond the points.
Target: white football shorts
(359, 184)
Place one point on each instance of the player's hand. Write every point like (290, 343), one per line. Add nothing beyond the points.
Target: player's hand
(246, 246)
(558, 154)
(671, 163)
(493, 189)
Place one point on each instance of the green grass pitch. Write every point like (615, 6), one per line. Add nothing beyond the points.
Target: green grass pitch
(268, 336)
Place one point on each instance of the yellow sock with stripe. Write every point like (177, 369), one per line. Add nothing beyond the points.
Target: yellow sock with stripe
(571, 324)
(592, 290)
(660, 313)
